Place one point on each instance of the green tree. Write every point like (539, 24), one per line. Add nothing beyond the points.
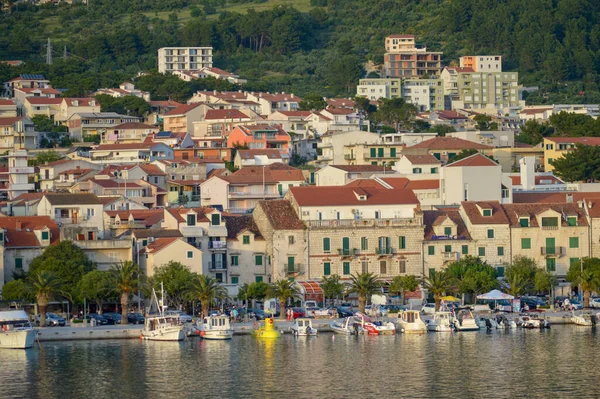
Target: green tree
(15, 290)
(127, 280)
(464, 154)
(437, 283)
(128, 105)
(441, 130)
(257, 291)
(401, 284)
(44, 124)
(533, 132)
(67, 261)
(283, 290)
(97, 287)
(580, 164)
(483, 122)
(45, 156)
(471, 275)
(331, 286)
(396, 112)
(207, 290)
(585, 275)
(362, 104)
(364, 285)
(174, 277)
(44, 285)
(312, 102)
(525, 269)
(544, 281)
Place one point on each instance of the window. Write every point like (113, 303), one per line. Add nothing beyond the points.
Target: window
(45, 235)
(434, 170)
(392, 152)
(246, 240)
(524, 222)
(447, 248)
(234, 260)
(380, 152)
(448, 231)
(490, 233)
(258, 260)
(500, 251)
(550, 245)
(572, 221)
(416, 171)
(551, 264)
(383, 267)
(346, 267)
(465, 250)
(500, 271)
(235, 279)
(280, 189)
(191, 220)
(437, 155)
(402, 242)
(549, 222)
(431, 250)
(525, 243)
(258, 279)
(364, 243)
(573, 242)
(326, 244)
(18, 263)
(190, 254)
(326, 269)
(215, 219)
(376, 215)
(291, 240)
(487, 212)
(481, 251)
(346, 245)
(572, 261)
(144, 243)
(402, 266)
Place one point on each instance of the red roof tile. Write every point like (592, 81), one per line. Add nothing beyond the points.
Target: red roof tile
(281, 215)
(435, 217)
(426, 159)
(25, 236)
(183, 109)
(10, 121)
(343, 195)
(423, 185)
(476, 160)
(450, 143)
(43, 100)
(361, 168)
(134, 125)
(161, 243)
(225, 114)
(476, 216)
(6, 102)
(595, 141)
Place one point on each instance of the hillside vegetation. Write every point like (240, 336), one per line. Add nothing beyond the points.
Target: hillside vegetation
(307, 46)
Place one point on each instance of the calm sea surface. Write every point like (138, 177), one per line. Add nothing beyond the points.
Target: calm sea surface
(559, 363)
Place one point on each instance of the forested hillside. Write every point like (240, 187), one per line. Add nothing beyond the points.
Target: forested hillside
(307, 45)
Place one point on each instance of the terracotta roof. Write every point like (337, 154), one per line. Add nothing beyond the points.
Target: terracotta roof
(426, 159)
(126, 146)
(76, 171)
(273, 173)
(450, 143)
(595, 141)
(279, 97)
(435, 217)
(72, 199)
(343, 195)
(161, 243)
(339, 111)
(43, 100)
(7, 102)
(268, 152)
(476, 160)
(47, 90)
(109, 199)
(462, 70)
(395, 182)
(449, 115)
(81, 102)
(56, 163)
(219, 71)
(152, 170)
(360, 168)
(423, 184)
(10, 121)
(169, 103)
(110, 183)
(182, 109)
(295, 113)
(517, 211)
(539, 180)
(531, 111)
(237, 224)
(560, 197)
(156, 233)
(281, 215)
(27, 198)
(225, 114)
(402, 36)
(25, 236)
(476, 216)
(134, 125)
(340, 102)
(149, 217)
(365, 183)
(179, 213)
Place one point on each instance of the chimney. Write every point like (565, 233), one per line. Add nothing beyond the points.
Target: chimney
(527, 166)
(590, 204)
(18, 225)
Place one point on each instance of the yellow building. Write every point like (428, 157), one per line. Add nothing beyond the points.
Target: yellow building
(556, 147)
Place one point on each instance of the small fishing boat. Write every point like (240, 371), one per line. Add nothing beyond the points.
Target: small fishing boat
(487, 322)
(160, 327)
(303, 327)
(531, 322)
(16, 330)
(581, 320)
(505, 322)
(215, 327)
(348, 326)
(441, 322)
(374, 327)
(267, 331)
(409, 322)
(464, 320)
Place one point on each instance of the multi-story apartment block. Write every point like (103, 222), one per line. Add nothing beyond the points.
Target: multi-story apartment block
(482, 63)
(17, 133)
(333, 145)
(260, 137)
(376, 88)
(556, 147)
(354, 229)
(246, 251)
(425, 94)
(404, 59)
(172, 59)
(446, 239)
(95, 123)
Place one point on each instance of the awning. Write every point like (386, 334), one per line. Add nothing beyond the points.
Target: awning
(311, 290)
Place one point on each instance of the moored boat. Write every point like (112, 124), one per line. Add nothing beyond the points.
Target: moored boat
(303, 327)
(464, 320)
(159, 327)
(581, 320)
(532, 321)
(348, 326)
(16, 330)
(409, 322)
(267, 331)
(373, 327)
(215, 327)
(441, 322)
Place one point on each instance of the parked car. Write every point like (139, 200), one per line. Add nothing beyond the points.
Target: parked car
(112, 317)
(135, 318)
(259, 314)
(184, 317)
(52, 320)
(318, 312)
(100, 320)
(344, 312)
(576, 304)
(595, 303)
(299, 312)
(428, 308)
(532, 304)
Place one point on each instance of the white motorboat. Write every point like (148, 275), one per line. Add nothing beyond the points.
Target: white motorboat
(409, 322)
(441, 322)
(505, 322)
(464, 320)
(529, 321)
(159, 327)
(581, 320)
(215, 327)
(375, 327)
(303, 327)
(348, 326)
(487, 322)
(16, 330)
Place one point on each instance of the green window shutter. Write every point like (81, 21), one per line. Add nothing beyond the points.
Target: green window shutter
(550, 245)
(448, 231)
(246, 239)
(364, 243)
(447, 248)
(373, 162)
(346, 267)
(437, 155)
(490, 233)
(234, 260)
(45, 235)
(572, 221)
(346, 243)
(191, 220)
(280, 189)
(434, 170)
(500, 271)
(500, 251)
(402, 242)
(525, 243)
(215, 219)
(451, 155)
(235, 279)
(573, 242)
(190, 254)
(431, 250)
(326, 268)
(487, 212)
(524, 222)
(465, 249)
(258, 279)
(380, 152)
(18, 263)
(258, 260)
(326, 244)
(481, 251)
(551, 264)
(392, 152)
(373, 152)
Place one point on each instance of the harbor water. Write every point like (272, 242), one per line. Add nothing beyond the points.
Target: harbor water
(560, 362)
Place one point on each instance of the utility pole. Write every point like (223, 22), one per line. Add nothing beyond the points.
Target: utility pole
(65, 53)
(49, 53)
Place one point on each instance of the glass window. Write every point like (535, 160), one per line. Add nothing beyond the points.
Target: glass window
(551, 264)
(258, 279)
(550, 245)
(326, 269)
(234, 260)
(235, 279)
(500, 251)
(402, 266)
(346, 243)
(364, 243)
(380, 152)
(215, 219)
(573, 242)
(402, 242)
(525, 243)
(431, 250)
(392, 152)
(549, 222)
(246, 240)
(490, 233)
(258, 260)
(346, 267)
(373, 152)
(383, 267)
(465, 250)
(434, 170)
(481, 251)
(190, 254)
(326, 244)
(447, 248)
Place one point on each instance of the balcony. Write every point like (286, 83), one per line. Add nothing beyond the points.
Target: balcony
(554, 251)
(21, 186)
(384, 251)
(70, 220)
(293, 269)
(103, 244)
(347, 252)
(324, 145)
(349, 157)
(127, 225)
(217, 266)
(324, 158)
(450, 256)
(217, 245)
(549, 227)
(367, 223)
(254, 194)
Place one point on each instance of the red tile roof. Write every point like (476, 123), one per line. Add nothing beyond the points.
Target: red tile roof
(361, 168)
(281, 215)
(517, 211)
(279, 97)
(366, 183)
(152, 170)
(343, 195)
(273, 173)
(340, 102)
(531, 111)
(134, 125)
(450, 115)
(110, 183)
(219, 71)
(161, 243)
(183, 109)
(554, 197)
(225, 114)
(539, 180)
(476, 160)
(476, 216)
(25, 236)
(450, 143)
(48, 90)
(426, 159)
(302, 114)
(125, 146)
(6, 102)
(43, 100)
(149, 217)
(268, 152)
(339, 111)
(423, 185)
(10, 121)
(435, 217)
(237, 224)
(402, 36)
(595, 141)
(169, 103)
(81, 102)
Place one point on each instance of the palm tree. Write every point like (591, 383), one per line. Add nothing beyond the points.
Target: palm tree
(44, 285)
(127, 280)
(515, 284)
(401, 284)
(589, 282)
(283, 290)
(364, 285)
(207, 290)
(437, 284)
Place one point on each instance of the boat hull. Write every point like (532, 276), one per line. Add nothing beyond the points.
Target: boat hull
(412, 328)
(164, 335)
(217, 335)
(439, 328)
(23, 339)
(262, 334)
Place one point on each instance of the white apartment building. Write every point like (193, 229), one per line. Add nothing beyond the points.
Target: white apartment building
(172, 59)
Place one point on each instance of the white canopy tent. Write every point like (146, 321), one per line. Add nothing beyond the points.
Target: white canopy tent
(495, 295)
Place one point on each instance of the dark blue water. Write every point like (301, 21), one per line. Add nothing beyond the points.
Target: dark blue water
(561, 362)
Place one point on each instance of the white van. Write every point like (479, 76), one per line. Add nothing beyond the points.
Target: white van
(310, 304)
